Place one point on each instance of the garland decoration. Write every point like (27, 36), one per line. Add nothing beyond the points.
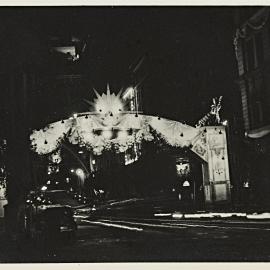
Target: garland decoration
(109, 127)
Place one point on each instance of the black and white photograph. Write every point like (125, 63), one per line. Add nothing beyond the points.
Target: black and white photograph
(134, 134)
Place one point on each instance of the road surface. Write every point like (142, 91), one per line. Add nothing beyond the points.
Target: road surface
(123, 239)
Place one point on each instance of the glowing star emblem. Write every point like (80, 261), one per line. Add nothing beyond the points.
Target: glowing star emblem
(108, 107)
(108, 103)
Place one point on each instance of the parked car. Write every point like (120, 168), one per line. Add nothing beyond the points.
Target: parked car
(51, 224)
(57, 197)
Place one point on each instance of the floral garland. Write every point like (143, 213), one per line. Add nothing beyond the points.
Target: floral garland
(48, 140)
(108, 126)
(174, 133)
(132, 129)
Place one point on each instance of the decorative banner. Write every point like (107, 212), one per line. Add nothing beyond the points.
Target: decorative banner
(216, 141)
(199, 146)
(218, 155)
(219, 168)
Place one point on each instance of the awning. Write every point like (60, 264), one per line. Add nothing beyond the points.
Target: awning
(259, 133)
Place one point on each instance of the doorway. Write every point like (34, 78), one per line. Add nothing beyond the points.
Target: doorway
(189, 181)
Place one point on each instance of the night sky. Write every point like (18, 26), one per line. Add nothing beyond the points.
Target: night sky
(188, 55)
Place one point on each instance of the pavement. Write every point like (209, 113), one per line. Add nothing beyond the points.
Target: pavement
(164, 207)
(218, 215)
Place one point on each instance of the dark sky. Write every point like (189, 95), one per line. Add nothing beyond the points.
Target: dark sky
(187, 51)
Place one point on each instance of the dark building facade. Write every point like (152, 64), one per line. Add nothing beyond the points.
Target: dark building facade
(252, 50)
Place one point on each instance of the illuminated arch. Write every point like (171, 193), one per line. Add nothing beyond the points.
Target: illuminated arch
(109, 126)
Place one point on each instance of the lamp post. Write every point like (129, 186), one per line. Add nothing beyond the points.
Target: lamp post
(81, 177)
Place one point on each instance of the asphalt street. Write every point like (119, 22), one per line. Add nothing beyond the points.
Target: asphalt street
(120, 239)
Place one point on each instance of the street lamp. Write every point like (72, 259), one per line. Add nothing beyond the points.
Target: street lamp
(225, 123)
(43, 188)
(81, 176)
(80, 173)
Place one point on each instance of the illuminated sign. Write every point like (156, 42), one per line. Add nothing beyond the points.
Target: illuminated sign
(182, 167)
(186, 184)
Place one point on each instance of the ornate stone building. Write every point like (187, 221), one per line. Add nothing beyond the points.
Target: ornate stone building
(252, 51)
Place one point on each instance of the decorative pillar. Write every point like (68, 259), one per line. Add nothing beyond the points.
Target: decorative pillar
(211, 146)
(218, 165)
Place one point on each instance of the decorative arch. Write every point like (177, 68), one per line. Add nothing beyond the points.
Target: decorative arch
(108, 126)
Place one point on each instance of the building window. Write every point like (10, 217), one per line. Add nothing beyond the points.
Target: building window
(265, 101)
(259, 49)
(253, 52)
(258, 109)
(250, 54)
